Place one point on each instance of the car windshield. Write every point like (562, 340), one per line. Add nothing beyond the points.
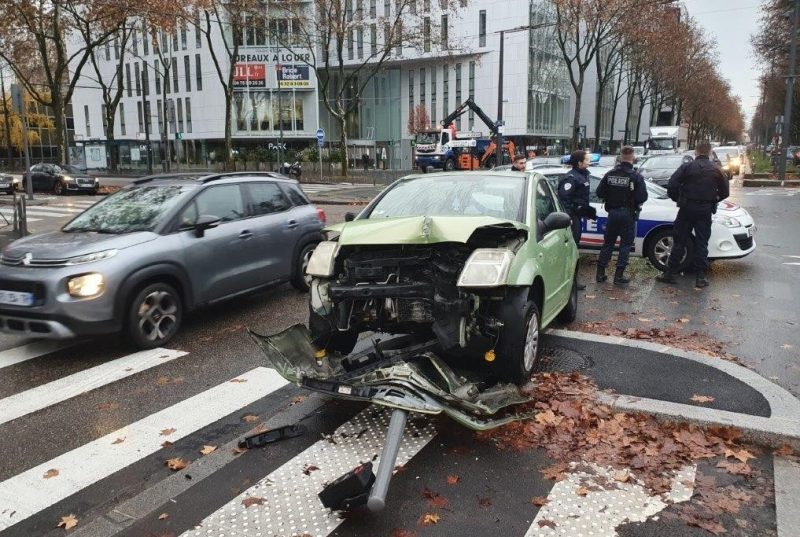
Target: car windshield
(427, 137)
(139, 208)
(454, 195)
(662, 144)
(656, 191)
(69, 168)
(662, 163)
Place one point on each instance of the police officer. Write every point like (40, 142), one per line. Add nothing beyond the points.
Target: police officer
(697, 186)
(573, 191)
(624, 192)
(519, 163)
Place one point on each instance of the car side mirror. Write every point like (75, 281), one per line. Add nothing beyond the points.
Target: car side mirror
(555, 221)
(349, 217)
(204, 222)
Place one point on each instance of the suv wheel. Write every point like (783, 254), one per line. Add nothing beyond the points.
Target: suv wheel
(300, 280)
(659, 247)
(58, 188)
(154, 316)
(518, 347)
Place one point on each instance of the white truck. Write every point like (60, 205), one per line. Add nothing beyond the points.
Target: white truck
(667, 140)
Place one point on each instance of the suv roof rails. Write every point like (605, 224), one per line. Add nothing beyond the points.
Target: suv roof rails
(225, 175)
(180, 175)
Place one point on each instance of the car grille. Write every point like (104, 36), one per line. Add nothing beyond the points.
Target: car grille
(85, 182)
(744, 242)
(11, 261)
(37, 288)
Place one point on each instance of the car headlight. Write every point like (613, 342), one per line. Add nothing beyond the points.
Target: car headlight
(86, 286)
(323, 259)
(736, 162)
(486, 267)
(67, 178)
(436, 157)
(91, 258)
(727, 221)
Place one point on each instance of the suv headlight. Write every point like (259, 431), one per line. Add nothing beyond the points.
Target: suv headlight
(727, 221)
(67, 178)
(323, 259)
(91, 258)
(486, 267)
(86, 286)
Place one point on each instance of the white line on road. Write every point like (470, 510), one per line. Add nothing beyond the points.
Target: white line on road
(55, 209)
(292, 506)
(28, 493)
(30, 351)
(10, 215)
(29, 401)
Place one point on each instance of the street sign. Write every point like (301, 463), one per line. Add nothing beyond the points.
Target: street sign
(320, 137)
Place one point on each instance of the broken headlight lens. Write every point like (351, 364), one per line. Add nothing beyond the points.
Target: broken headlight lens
(323, 259)
(486, 267)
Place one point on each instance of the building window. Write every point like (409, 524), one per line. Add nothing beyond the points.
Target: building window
(413, 7)
(108, 51)
(445, 91)
(426, 34)
(482, 28)
(122, 118)
(433, 96)
(138, 78)
(471, 93)
(174, 66)
(359, 10)
(183, 35)
(387, 8)
(410, 91)
(145, 80)
(360, 43)
(422, 86)
(350, 44)
(157, 76)
(198, 74)
(88, 125)
(445, 31)
(116, 48)
(140, 115)
(180, 115)
(399, 49)
(373, 8)
(426, 6)
(128, 79)
(175, 40)
(187, 73)
(458, 93)
(373, 37)
(145, 39)
(188, 115)
(148, 116)
(135, 42)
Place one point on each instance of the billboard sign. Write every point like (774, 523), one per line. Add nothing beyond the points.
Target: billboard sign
(294, 76)
(250, 75)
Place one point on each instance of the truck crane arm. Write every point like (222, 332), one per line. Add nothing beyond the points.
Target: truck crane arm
(470, 103)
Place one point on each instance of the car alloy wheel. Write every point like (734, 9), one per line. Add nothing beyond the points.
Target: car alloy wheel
(158, 316)
(663, 247)
(58, 188)
(300, 280)
(531, 341)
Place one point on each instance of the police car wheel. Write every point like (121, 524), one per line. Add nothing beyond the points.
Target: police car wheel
(659, 246)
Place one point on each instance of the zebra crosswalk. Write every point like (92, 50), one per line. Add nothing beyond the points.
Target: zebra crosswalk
(37, 213)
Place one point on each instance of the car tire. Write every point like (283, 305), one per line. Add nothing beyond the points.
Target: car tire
(299, 280)
(449, 165)
(154, 316)
(58, 189)
(659, 246)
(423, 169)
(570, 311)
(518, 346)
(324, 335)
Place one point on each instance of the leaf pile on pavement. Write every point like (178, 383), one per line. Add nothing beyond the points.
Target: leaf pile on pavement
(572, 426)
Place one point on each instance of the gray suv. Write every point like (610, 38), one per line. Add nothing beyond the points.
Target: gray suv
(139, 259)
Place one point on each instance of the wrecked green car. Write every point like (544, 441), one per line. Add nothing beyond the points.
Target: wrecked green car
(478, 262)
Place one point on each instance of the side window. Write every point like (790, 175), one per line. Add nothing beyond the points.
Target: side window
(445, 137)
(295, 195)
(545, 203)
(265, 198)
(224, 201)
(189, 216)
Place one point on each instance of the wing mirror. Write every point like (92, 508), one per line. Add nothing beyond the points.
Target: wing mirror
(204, 222)
(349, 217)
(557, 221)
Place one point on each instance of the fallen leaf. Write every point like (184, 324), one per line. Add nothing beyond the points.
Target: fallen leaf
(784, 451)
(549, 523)
(702, 398)
(253, 500)
(167, 432)
(683, 320)
(429, 519)
(239, 381)
(742, 455)
(485, 502)
(176, 464)
(400, 532)
(622, 476)
(52, 472)
(297, 400)
(453, 479)
(166, 444)
(163, 516)
(434, 498)
(249, 418)
(207, 450)
(539, 501)
(68, 522)
(713, 527)
(645, 320)
(582, 491)
(787, 346)
(119, 440)
(555, 472)
(310, 468)
(239, 450)
(107, 406)
(736, 469)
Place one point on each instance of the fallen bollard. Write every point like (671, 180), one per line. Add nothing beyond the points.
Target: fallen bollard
(377, 498)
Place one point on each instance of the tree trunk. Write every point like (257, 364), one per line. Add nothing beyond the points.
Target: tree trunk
(112, 147)
(343, 126)
(230, 163)
(598, 114)
(58, 124)
(639, 119)
(576, 118)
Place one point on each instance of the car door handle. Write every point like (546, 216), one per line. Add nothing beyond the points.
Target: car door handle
(291, 224)
(245, 234)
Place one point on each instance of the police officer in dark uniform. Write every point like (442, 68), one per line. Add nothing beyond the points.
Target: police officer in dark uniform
(573, 191)
(697, 186)
(624, 192)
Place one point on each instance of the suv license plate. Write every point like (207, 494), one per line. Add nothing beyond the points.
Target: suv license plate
(16, 298)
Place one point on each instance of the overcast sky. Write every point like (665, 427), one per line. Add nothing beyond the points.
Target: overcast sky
(731, 23)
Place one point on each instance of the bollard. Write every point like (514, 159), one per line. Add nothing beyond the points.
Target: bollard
(377, 497)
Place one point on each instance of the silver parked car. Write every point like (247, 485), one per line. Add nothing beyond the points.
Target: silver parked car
(139, 259)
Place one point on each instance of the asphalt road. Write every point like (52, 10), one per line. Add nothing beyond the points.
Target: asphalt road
(87, 429)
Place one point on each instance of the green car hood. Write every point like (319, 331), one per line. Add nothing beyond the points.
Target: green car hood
(417, 229)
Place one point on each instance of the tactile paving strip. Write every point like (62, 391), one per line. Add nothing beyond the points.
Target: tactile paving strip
(607, 504)
(290, 503)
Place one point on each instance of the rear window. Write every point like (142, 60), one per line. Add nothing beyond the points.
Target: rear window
(295, 195)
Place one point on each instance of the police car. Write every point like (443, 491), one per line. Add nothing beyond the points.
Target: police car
(732, 226)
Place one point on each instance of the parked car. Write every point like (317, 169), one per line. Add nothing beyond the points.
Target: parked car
(60, 179)
(482, 261)
(732, 228)
(9, 184)
(659, 168)
(732, 159)
(139, 259)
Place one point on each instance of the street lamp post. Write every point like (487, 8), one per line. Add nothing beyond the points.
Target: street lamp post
(787, 114)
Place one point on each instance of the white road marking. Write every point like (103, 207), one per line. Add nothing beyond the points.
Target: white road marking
(792, 257)
(292, 506)
(28, 493)
(30, 351)
(30, 401)
(607, 503)
(54, 209)
(10, 216)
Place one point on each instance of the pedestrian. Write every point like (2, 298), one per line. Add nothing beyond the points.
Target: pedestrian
(365, 161)
(623, 191)
(697, 186)
(573, 191)
(519, 163)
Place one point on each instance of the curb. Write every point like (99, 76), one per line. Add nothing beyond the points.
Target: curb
(782, 427)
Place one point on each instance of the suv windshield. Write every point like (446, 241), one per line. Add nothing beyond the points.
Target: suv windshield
(132, 209)
(470, 195)
(662, 163)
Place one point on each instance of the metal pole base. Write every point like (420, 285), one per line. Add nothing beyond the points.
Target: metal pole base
(377, 497)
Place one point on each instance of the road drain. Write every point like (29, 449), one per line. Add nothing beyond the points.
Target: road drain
(561, 360)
